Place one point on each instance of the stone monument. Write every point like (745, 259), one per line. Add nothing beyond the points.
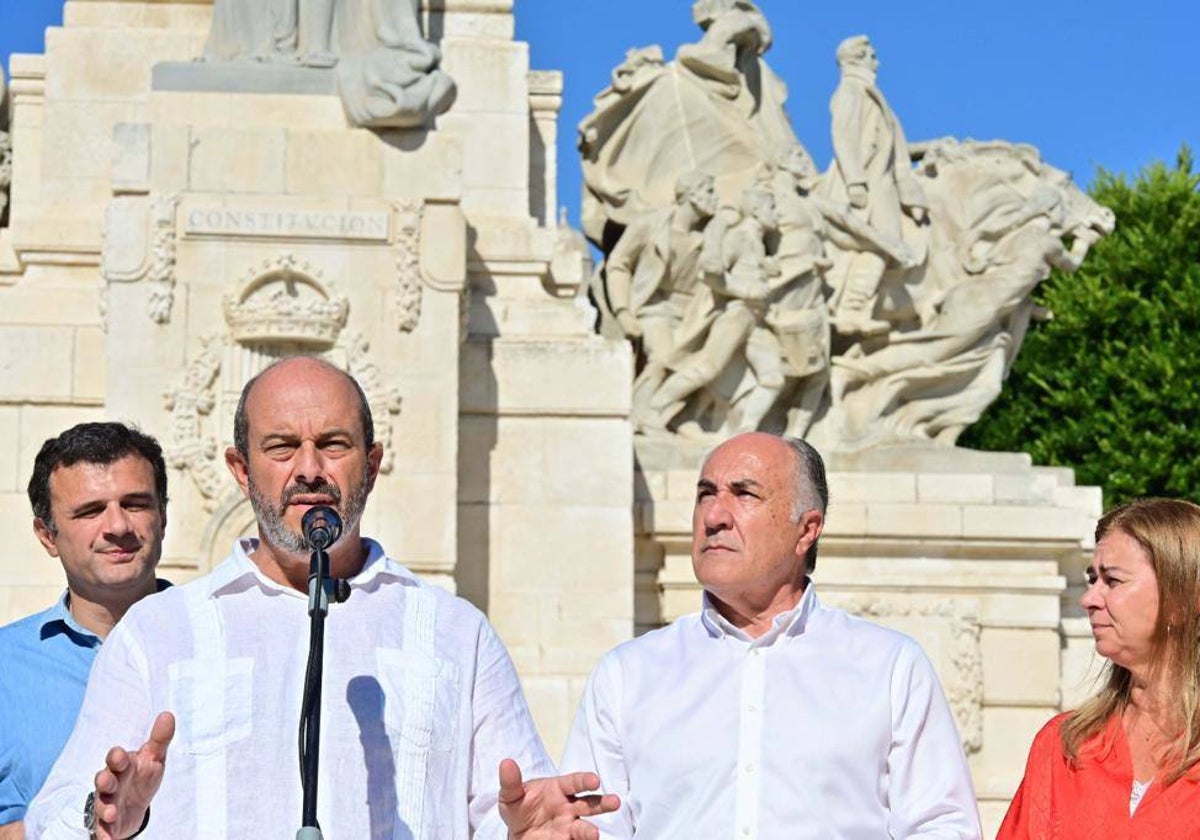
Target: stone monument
(199, 188)
(190, 189)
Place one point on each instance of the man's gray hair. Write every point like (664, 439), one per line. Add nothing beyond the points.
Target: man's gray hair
(812, 488)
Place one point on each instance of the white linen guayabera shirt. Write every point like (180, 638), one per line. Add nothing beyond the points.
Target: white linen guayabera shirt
(420, 704)
(825, 727)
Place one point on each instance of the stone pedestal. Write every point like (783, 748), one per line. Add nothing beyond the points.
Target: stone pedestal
(968, 552)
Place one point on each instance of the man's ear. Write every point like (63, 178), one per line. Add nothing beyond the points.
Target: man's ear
(45, 536)
(811, 524)
(374, 461)
(238, 468)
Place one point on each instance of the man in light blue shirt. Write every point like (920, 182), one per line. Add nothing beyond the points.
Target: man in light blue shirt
(99, 497)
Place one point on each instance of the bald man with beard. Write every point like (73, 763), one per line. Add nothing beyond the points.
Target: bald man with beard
(426, 733)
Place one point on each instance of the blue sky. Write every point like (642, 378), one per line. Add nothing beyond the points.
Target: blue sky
(1112, 83)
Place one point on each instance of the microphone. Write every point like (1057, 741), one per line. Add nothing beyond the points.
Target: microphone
(322, 527)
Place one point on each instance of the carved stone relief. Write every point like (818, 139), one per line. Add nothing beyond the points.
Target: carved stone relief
(161, 273)
(885, 302)
(284, 301)
(140, 241)
(408, 265)
(385, 400)
(191, 449)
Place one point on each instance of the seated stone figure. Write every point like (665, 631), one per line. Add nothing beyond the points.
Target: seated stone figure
(387, 73)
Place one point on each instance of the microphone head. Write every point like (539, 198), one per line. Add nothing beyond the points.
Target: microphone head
(322, 526)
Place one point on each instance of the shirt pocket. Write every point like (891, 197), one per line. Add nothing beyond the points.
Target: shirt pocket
(420, 705)
(212, 702)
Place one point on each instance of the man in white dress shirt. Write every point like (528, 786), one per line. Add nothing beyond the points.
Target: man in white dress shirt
(767, 715)
(421, 703)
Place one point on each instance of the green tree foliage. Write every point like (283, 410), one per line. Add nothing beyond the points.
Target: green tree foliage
(1111, 385)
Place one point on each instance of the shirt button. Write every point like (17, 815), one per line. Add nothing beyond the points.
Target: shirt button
(746, 830)
(752, 707)
(749, 768)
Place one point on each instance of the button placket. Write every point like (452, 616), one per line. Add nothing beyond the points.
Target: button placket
(750, 735)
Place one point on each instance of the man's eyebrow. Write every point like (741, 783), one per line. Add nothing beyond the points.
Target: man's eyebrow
(737, 484)
(276, 437)
(85, 506)
(338, 432)
(89, 505)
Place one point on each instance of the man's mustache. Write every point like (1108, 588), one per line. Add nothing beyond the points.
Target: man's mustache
(322, 488)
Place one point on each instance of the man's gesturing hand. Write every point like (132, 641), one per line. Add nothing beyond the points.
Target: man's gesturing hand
(129, 781)
(551, 808)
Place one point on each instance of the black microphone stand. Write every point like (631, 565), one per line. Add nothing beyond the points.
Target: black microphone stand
(321, 529)
(310, 709)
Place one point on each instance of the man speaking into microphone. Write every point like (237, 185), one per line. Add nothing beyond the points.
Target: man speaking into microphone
(194, 701)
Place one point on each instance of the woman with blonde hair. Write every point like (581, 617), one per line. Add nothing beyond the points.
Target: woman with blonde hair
(1127, 762)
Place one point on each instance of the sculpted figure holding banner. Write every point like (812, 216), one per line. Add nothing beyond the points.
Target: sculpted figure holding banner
(872, 173)
(716, 108)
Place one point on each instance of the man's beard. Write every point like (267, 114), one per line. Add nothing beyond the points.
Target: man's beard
(270, 517)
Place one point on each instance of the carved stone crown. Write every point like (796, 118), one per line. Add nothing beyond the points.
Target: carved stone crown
(285, 303)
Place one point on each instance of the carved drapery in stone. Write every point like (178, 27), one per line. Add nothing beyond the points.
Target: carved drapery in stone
(387, 73)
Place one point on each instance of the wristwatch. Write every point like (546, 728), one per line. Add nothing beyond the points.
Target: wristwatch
(89, 815)
(89, 818)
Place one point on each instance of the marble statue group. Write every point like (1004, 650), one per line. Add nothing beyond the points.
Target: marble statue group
(880, 301)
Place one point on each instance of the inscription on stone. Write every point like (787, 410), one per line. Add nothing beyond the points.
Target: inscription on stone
(322, 224)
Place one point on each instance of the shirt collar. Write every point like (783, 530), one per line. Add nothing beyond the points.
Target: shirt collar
(793, 622)
(58, 619)
(240, 572)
